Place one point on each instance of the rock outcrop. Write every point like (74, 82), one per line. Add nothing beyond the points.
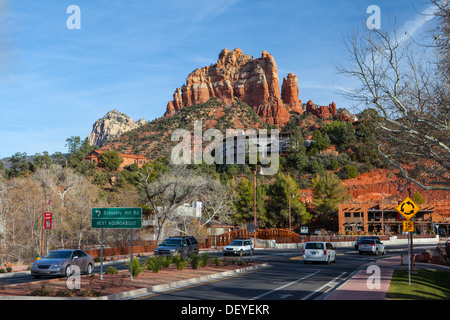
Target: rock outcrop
(290, 93)
(237, 75)
(112, 125)
(322, 112)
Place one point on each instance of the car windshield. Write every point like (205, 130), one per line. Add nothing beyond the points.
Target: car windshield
(367, 241)
(171, 243)
(58, 255)
(314, 245)
(236, 243)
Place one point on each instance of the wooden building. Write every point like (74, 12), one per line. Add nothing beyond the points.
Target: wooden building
(371, 218)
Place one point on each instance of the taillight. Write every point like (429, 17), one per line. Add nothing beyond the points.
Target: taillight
(372, 244)
(324, 251)
(303, 251)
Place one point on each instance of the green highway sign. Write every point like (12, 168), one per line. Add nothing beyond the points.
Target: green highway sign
(116, 218)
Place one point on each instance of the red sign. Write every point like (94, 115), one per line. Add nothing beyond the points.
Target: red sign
(47, 220)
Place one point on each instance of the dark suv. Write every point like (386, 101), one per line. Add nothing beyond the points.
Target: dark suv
(182, 246)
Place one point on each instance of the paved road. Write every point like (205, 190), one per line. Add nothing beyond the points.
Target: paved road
(287, 278)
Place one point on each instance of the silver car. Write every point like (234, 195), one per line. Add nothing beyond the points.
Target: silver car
(371, 246)
(61, 262)
(319, 251)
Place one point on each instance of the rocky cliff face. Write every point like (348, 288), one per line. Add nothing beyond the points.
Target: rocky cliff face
(112, 125)
(237, 75)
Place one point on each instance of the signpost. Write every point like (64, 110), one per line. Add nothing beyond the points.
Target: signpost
(408, 210)
(47, 220)
(116, 218)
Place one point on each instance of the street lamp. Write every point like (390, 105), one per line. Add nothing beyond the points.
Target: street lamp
(254, 201)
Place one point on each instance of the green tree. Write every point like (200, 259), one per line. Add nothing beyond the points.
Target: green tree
(341, 133)
(328, 193)
(297, 157)
(19, 165)
(244, 203)
(78, 150)
(319, 142)
(110, 160)
(283, 189)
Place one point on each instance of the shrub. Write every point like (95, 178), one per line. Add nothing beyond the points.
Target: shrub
(165, 261)
(180, 263)
(348, 172)
(217, 261)
(154, 264)
(137, 268)
(2, 270)
(195, 260)
(90, 293)
(204, 259)
(9, 269)
(111, 270)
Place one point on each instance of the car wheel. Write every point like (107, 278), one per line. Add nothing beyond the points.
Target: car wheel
(89, 269)
(68, 271)
(36, 277)
(241, 253)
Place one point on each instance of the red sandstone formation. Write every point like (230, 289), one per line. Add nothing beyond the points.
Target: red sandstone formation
(236, 75)
(322, 112)
(289, 93)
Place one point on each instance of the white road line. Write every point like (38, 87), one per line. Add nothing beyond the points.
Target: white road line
(329, 284)
(286, 285)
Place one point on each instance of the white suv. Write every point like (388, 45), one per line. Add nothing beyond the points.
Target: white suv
(319, 251)
(371, 246)
(239, 247)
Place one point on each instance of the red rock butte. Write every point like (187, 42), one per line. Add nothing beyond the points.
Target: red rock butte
(237, 75)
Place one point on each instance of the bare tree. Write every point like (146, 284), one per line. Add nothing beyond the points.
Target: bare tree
(402, 83)
(170, 191)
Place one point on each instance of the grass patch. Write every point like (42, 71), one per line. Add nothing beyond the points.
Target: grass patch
(425, 285)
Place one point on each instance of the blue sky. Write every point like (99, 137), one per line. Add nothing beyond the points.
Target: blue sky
(131, 55)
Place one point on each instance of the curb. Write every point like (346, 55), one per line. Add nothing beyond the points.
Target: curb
(178, 284)
(134, 294)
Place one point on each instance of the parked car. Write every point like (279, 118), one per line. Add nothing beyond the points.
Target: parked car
(183, 246)
(364, 237)
(319, 251)
(371, 246)
(239, 247)
(61, 262)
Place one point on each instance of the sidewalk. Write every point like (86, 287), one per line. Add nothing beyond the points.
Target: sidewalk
(358, 285)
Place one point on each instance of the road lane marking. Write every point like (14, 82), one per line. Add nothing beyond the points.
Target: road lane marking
(282, 287)
(183, 287)
(329, 284)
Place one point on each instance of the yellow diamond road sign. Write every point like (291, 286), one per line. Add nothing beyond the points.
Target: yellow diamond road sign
(408, 208)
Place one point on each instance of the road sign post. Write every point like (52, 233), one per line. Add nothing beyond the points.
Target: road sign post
(116, 218)
(408, 209)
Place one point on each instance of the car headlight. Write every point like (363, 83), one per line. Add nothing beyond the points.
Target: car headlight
(56, 265)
